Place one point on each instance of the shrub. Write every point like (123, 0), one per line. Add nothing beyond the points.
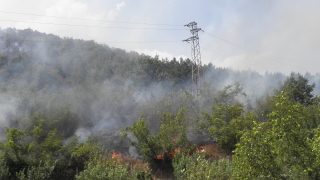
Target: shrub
(4, 170)
(103, 167)
(196, 166)
(41, 172)
(172, 135)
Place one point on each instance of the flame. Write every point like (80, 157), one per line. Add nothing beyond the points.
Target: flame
(160, 156)
(116, 155)
(170, 154)
(200, 149)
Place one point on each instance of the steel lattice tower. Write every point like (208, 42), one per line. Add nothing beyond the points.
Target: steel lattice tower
(195, 57)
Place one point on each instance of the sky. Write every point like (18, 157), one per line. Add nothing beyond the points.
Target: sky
(264, 36)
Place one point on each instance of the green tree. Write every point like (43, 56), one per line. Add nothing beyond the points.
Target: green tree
(298, 90)
(312, 114)
(172, 135)
(279, 148)
(102, 167)
(197, 166)
(41, 172)
(60, 119)
(227, 124)
(23, 155)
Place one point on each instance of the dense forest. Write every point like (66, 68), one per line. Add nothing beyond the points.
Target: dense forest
(66, 104)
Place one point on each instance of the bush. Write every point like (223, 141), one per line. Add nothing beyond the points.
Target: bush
(22, 154)
(227, 124)
(41, 172)
(196, 166)
(172, 135)
(103, 167)
(4, 170)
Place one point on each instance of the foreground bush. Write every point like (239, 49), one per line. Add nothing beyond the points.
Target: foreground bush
(102, 167)
(41, 172)
(27, 155)
(172, 135)
(196, 166)
(4, 170)
(284, 147)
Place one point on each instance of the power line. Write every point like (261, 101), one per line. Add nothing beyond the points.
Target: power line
(234, 44)
(214, 52)
(77, 25)
(245, 48)
(120, 22)
(111, 42)
(145, 42)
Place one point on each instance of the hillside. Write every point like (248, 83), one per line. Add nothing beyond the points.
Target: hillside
(56, 88)
(98, 83)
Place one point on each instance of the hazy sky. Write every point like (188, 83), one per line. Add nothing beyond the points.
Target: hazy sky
(262, 35)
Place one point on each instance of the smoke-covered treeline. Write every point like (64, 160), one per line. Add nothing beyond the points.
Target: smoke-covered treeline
(53, 88)
(91, 87)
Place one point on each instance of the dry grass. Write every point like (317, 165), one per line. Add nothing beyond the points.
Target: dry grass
(213, 152)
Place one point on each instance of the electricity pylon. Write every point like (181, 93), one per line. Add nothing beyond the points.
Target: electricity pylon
(195, 57)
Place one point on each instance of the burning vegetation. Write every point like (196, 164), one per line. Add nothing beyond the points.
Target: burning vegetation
(116, 155)
(162, 168)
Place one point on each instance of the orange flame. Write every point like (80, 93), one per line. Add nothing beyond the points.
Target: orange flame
(200, 148)
(160, 156)
(170, 155)
(116, 155)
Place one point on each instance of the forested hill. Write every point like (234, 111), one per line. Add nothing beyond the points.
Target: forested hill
(48, 62)
(77, 62)
(86, 84)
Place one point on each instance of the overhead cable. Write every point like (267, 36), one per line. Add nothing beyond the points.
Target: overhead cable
(122, 22)
(106, 27)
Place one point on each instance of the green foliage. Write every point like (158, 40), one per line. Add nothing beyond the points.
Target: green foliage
(79, 153)
(196, 166)
(22, 154)
(15, 151)
(172, 135)
(315, 146)
(279, 148)
(298, 90)
(229, 94)
(264, 106)
(312, 114)
(150, 70)
(41, 172)
(227, 124)
(4, 171)
(62, 120)
(103, 167)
